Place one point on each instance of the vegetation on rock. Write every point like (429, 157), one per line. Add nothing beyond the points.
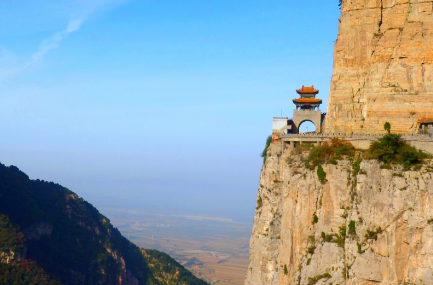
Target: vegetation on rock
(11, 238)
(321, 174)
(82, 246)
(352, 228)
(167, 270)
(259, 202)
(25, 273)
(387, 127)
(373, 234)
(265, 151)
(391, 148)
(315, 279)
(336, 149)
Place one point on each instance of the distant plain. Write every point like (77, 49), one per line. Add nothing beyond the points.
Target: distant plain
(212, 248)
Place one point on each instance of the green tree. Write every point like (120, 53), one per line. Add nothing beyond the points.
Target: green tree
(387, 127)
(285, 270)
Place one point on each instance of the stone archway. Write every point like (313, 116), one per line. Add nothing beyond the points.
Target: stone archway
(300, 116)
(307, 126)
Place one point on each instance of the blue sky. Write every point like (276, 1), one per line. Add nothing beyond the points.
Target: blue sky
(159, 105)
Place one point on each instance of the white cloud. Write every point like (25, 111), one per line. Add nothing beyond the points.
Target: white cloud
(9, 67)
(53, 42)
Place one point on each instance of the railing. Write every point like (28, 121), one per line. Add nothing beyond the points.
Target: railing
(421, 137)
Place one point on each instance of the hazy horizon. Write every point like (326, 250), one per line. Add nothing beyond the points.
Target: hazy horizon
(157, 105)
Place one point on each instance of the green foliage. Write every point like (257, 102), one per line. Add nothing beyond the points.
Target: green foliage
(311, 249)
(321, 174)
(265, 151)
(391, 148)
(387, 127)
(308, 261)
(315, 279)
(323, 235)
(285, 270)
(359, 248)
(342, 230)
(163, 267)
(352, 228)
(336, 238)
(373, 234)
(78, 244)
(11, 238)
(340, 238)
(259, 202)
(356, 166)
(337, 149)
(315, 219)
(25, 273)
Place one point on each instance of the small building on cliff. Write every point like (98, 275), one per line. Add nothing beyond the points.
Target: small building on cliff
(425, 126)
(307, 109)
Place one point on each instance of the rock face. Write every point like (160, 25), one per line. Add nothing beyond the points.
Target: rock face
(383, 66)
(375, 227)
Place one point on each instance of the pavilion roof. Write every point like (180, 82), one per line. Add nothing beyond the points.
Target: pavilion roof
(307, 90)
(425, 120)
(307, 100)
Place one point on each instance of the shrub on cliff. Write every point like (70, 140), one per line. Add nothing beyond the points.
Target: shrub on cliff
(352, 228)
(387, 127)
(329, 152)
(265, 151)
(391, 148)
(321, 174)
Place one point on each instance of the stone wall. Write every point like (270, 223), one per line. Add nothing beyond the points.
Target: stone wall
(359, 141)
(383, 66)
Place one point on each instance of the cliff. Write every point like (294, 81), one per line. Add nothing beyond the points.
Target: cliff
(364, 225)
(49, 235)
(383, 66)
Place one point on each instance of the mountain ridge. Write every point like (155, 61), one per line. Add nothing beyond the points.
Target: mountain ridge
(51, 235)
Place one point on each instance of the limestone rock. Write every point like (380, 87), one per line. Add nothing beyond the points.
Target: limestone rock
(383, 66)
(288, 247)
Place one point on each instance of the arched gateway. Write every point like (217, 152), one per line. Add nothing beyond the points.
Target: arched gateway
(307, 109)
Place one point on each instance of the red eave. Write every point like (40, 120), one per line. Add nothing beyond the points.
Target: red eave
(425, 120)
(307, 100)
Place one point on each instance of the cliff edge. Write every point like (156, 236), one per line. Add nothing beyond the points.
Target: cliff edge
(362, 225)
(383, 66)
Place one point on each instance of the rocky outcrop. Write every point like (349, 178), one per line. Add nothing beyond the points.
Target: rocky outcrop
(370, 227)
(37, 230)
(12, 256)
(383, 66)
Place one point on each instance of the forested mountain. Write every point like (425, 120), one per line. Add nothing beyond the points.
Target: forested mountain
(49, 235)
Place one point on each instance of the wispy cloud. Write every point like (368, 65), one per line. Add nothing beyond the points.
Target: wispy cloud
(53, 42)
(9, 65)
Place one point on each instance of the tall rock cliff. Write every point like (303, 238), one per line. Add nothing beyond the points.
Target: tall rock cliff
(383, 66)
(372, 226)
